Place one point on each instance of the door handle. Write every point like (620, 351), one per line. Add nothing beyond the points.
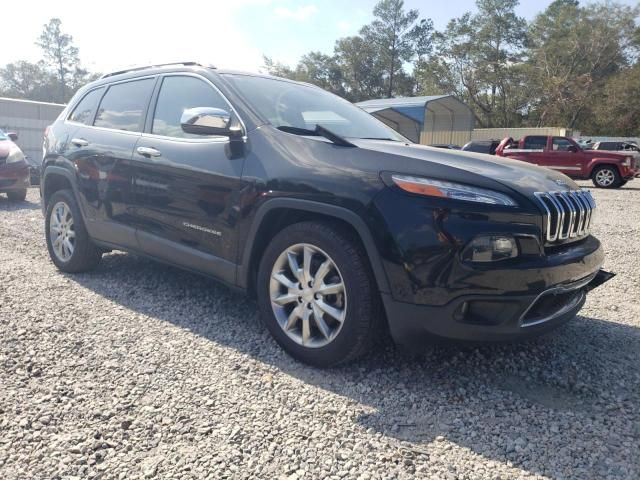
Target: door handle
(148, 151)
(79, 142)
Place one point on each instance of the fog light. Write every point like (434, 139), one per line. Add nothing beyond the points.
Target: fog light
(490, 248)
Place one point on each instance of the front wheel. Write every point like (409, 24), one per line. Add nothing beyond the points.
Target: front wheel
(17, 195)
(317, 294)
(68, 242)
(606, 177)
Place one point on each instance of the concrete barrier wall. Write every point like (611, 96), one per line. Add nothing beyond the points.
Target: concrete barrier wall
(29, 120)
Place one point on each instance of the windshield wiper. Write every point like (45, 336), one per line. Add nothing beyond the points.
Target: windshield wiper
(380, 138)
(319, 131)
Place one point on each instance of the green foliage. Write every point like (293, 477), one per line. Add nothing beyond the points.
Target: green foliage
(55, 78)
(371, 64)
(573, 52)
(573, 66)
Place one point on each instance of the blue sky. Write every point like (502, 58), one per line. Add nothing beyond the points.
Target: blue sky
(230, 34)
(320, 23)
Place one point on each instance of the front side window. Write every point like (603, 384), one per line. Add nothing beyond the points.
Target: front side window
(561, 144)
(124, 104)
(287, 105)
(535, 142)
(83, 113)
(177, 94)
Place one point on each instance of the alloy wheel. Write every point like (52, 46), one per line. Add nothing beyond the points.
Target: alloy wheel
(308, 295)
(62, 232)
(605, 177)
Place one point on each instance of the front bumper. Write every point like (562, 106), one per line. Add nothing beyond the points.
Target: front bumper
(14, 176)
(490, 319)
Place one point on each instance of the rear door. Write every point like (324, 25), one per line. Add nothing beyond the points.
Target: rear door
(530, 149)
(187, 186)
(102, 150)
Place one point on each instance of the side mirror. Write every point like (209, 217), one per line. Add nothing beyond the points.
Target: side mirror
(209, 121)
(13, 136)
(572, 149)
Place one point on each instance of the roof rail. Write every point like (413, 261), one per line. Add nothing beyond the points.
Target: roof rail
(144, 67)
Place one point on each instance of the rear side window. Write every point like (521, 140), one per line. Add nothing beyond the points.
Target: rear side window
(177, 94)
(561, 144)
(535, 142)
(124, 104)
(83, 113)
(608, 146)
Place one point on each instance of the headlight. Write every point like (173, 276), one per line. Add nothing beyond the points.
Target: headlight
(15, 155)
(456, 191)
(490, 248)
(627, 161)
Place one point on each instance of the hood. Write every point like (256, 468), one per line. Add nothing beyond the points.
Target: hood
(467, 167)
(5, 147)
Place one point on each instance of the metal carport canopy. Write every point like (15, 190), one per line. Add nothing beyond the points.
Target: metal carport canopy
(426, 119)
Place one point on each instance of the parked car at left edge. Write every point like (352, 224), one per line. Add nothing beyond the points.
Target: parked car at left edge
(14, 169)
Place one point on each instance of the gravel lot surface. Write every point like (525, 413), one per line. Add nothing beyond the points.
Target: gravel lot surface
(139, 370)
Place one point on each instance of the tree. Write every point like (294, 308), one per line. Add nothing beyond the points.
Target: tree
(478, 58)
(27, 80)
(398, 37)
(617, 109)
(573, 51)
(62, 57)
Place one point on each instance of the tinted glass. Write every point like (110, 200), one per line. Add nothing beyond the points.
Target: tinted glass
(83, 113)
(608, 146)
(124, 104)
(477, 147)
(535, 143)
(287, 104)
(178, 94)
(561, 144)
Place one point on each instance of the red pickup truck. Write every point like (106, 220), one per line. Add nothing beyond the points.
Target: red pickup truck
(605, 169)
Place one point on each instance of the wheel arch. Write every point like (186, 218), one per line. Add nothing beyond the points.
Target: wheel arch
(596, 163)
(278, 213)
(53, 179)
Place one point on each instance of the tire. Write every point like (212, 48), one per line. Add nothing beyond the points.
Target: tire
(359, 303)
(17, 195)
(606, 177)
(85, 255)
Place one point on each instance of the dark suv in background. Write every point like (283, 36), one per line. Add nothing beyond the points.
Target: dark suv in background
(338, 225)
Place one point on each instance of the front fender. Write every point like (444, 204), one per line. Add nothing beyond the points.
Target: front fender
(596, 162)
(341, 213)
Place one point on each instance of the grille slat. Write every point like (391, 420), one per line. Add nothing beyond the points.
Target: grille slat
(567, 214)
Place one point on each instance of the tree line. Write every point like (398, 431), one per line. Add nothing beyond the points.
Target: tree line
(572, 65)
(53, 78)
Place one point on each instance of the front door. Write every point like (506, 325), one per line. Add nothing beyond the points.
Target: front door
(565, 156)
(186, 186)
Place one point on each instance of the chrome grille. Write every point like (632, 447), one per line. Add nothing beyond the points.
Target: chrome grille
(567, 214)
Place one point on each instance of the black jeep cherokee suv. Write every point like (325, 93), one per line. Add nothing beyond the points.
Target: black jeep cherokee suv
(337, 224)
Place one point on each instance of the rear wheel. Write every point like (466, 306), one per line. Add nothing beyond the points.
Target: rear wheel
(317, 294)
(68, 242)
(17, 195)
(606, 177)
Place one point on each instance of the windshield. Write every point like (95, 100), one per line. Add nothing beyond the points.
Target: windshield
(3, 136)
(286, 104)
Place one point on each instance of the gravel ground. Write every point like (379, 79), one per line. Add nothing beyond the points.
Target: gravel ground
(139, 370)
